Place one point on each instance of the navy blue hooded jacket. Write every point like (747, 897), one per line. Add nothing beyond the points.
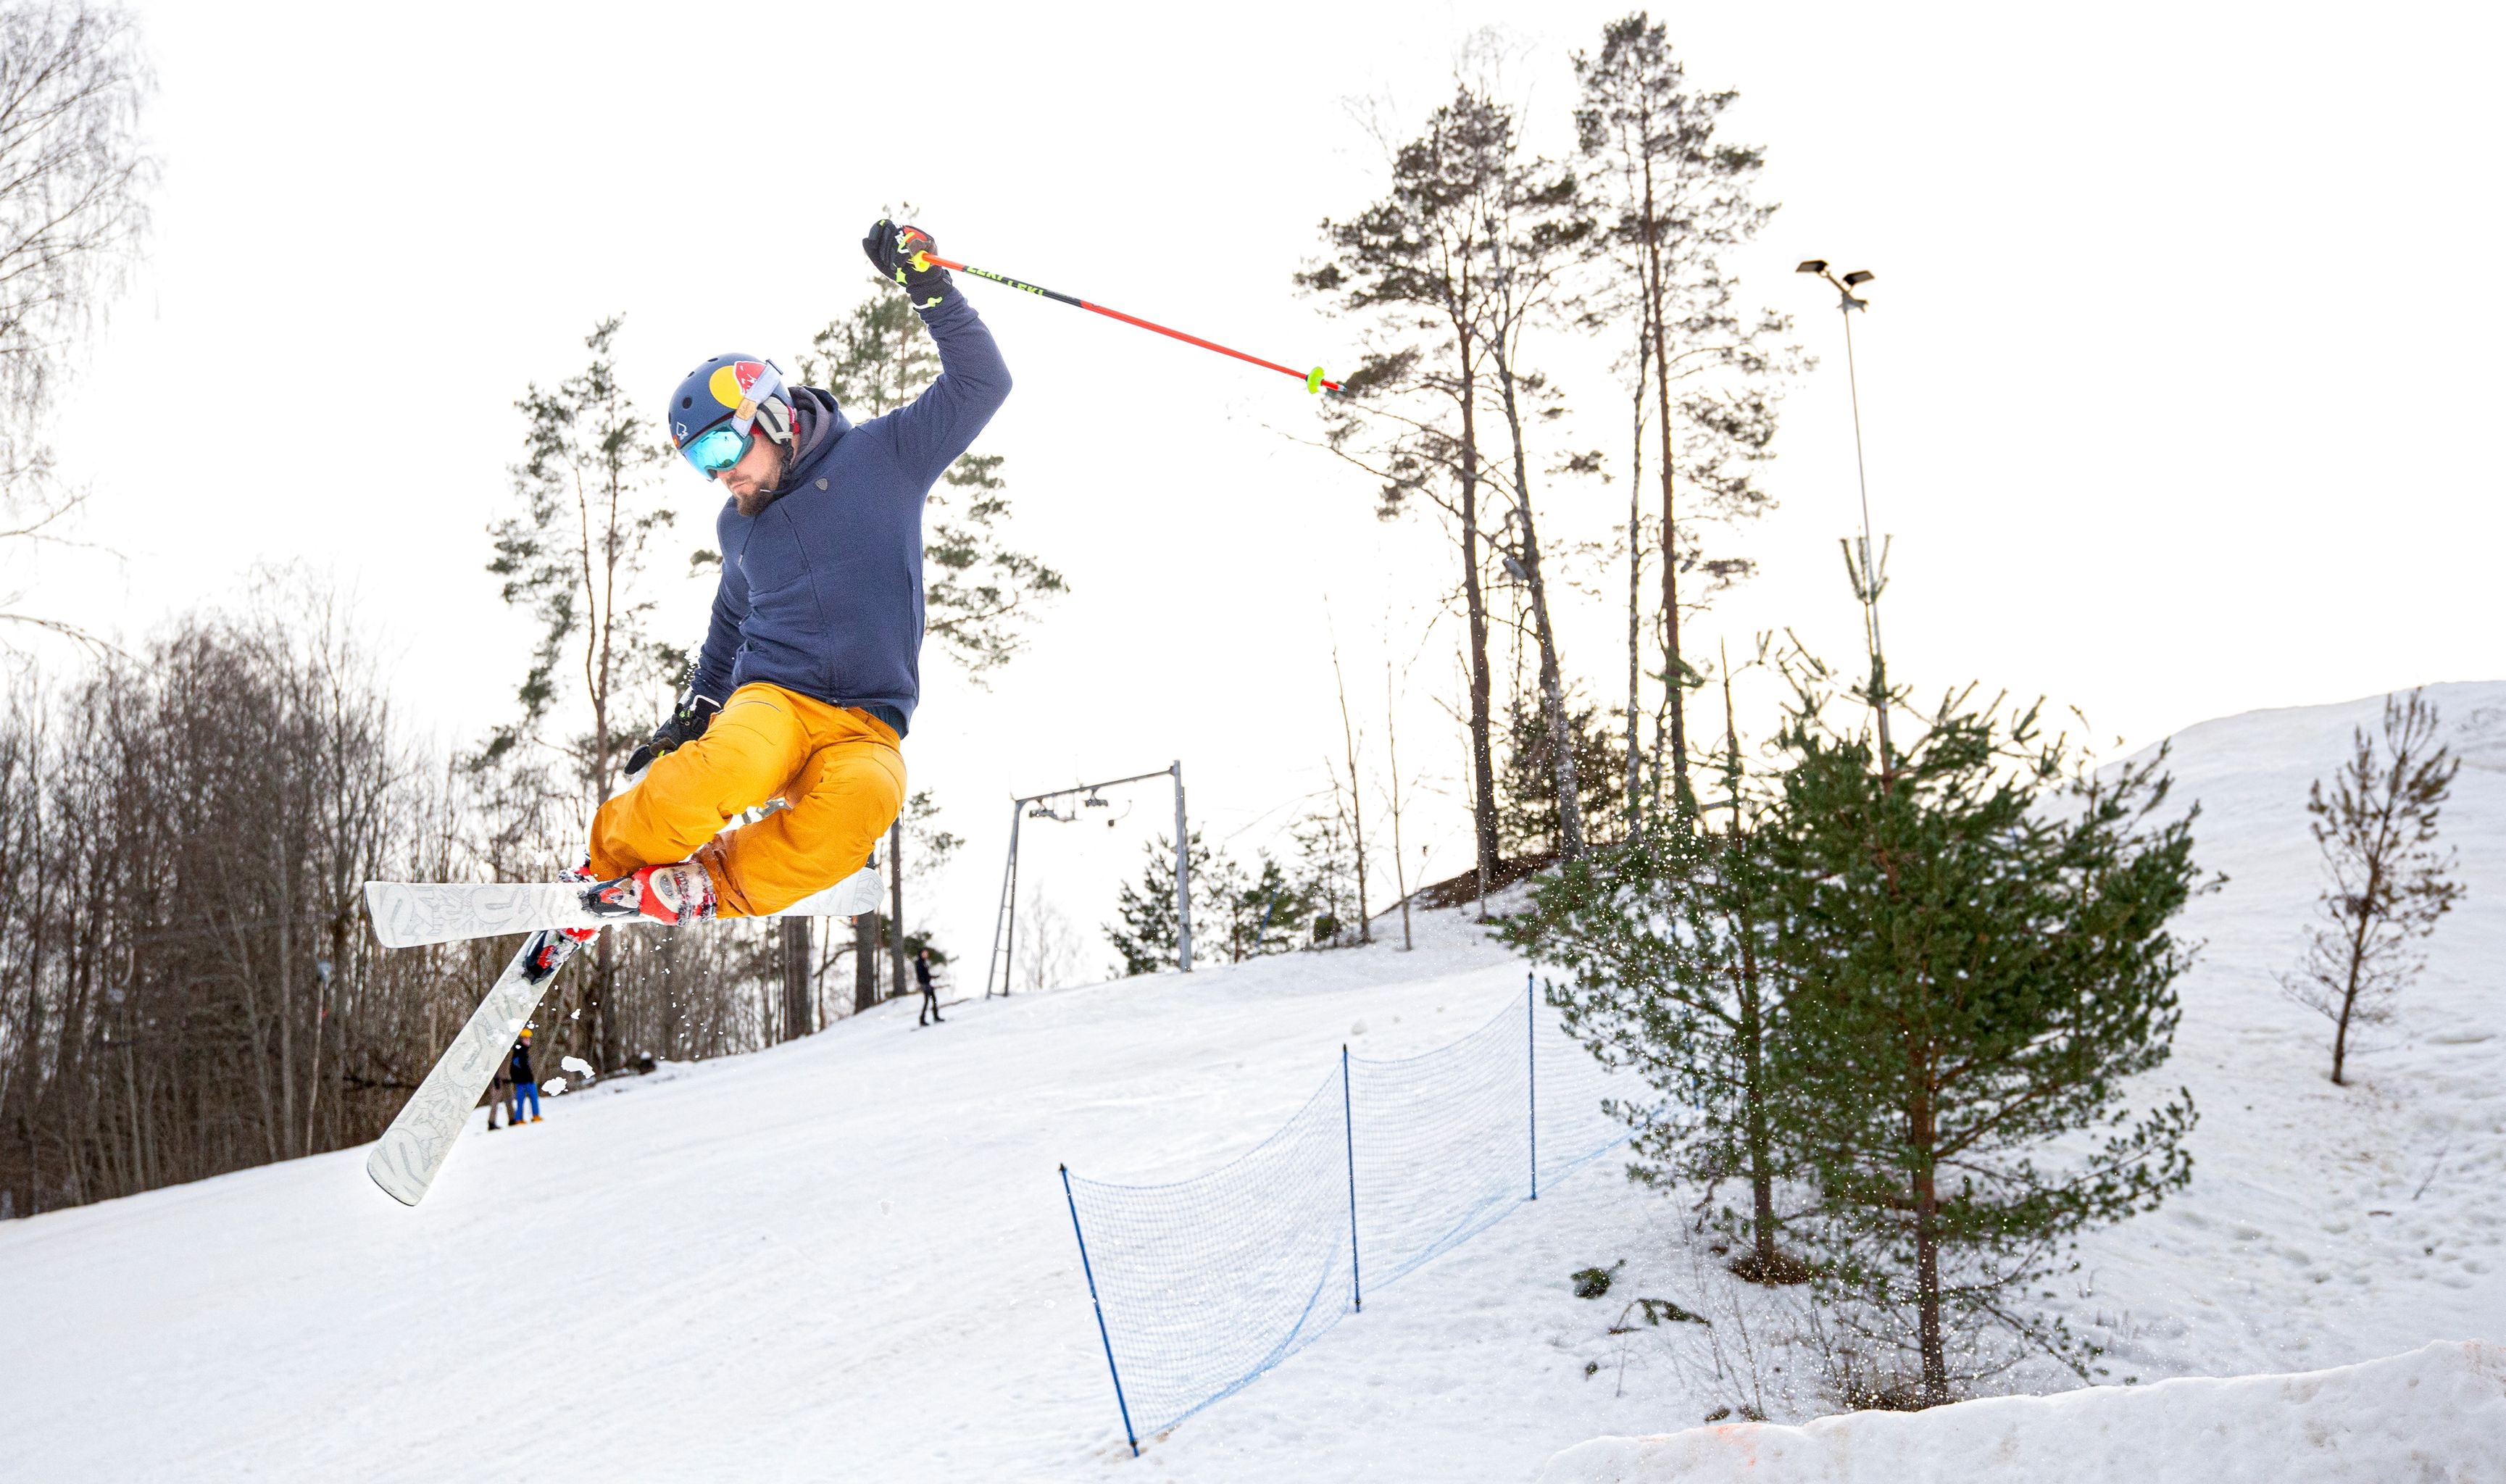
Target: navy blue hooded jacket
(822, 590)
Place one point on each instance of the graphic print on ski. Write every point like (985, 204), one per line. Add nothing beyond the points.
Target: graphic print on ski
(411, 914)
(405, 1160)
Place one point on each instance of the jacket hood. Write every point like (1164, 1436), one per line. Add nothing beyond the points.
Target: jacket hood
(822, 424)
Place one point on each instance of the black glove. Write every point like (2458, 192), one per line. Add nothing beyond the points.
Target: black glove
(890, 249)
(688, 723)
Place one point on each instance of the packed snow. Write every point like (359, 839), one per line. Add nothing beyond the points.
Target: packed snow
(2438, 1413)
(848, 1257)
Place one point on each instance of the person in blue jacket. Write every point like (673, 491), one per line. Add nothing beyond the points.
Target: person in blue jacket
(811, 666)
(527, 1088)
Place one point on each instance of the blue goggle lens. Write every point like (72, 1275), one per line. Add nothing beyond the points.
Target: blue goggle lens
(718, 448)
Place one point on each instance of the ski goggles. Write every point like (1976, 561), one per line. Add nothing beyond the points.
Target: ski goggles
(719, 448)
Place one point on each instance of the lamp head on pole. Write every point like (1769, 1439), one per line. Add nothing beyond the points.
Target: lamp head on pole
(1844, 288)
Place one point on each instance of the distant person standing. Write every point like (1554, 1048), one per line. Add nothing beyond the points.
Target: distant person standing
(500, 1095)
(930, 997)
(526, 1086)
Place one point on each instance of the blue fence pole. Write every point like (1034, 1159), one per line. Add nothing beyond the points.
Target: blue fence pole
(1128, 1436)
(1531, 1078)
(1356, 1289)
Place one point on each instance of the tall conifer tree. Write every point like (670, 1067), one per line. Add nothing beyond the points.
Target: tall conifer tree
(577, 559)
(1412, 268)
(1537, 230)
(1677, 199)
(1981, 958)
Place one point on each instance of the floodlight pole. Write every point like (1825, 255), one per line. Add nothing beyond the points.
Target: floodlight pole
(1867, 576)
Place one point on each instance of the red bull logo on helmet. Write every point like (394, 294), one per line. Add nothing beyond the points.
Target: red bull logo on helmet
(729, 388)
(730, 385)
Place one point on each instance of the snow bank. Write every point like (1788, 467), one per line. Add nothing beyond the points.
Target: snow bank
(2437, 1413)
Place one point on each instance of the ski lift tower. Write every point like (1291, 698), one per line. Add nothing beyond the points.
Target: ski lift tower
(1053, 806)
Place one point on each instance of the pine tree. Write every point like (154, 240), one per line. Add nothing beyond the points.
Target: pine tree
(1979, 955)
(1527, 812)
(1149, 937)
(1537, 232)
(577, 559)
(1412, 268)
(1668, 943)
(1679, 198)
(1327, 865)
(1250, 913)
(2386, 884)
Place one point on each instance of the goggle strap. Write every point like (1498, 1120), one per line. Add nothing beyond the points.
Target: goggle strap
(769, 383)
(779, 423)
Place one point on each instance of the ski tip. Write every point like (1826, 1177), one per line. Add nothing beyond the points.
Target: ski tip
(376, 894)
(391, 1181)
(389, 926)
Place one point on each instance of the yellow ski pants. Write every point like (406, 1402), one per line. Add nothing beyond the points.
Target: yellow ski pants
(836, 766)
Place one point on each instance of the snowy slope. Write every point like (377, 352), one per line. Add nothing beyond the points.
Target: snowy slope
(2325, 1225)
(2437, 1413)
(849, 1257)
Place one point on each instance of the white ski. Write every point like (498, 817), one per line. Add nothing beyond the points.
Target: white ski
(405, 1158)
(408, 914)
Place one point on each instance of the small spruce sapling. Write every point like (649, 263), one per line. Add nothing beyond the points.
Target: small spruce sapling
(1147, 936)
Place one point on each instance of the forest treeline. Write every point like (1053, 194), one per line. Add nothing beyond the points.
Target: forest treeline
(187, 982)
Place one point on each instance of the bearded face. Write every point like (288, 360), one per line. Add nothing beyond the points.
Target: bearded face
(752, 480)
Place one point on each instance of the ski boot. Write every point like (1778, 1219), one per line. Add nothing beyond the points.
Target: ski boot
(677, 895)
(582, 873)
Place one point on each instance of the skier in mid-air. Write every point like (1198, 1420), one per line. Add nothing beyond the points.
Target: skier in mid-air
(803, 691)
(813, 664)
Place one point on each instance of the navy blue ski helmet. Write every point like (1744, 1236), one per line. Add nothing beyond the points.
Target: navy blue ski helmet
(719, 408)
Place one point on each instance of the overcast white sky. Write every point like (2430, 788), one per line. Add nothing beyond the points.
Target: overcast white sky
(2179, 383)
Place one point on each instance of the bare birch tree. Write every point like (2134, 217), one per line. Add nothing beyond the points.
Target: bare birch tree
(74, 177)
